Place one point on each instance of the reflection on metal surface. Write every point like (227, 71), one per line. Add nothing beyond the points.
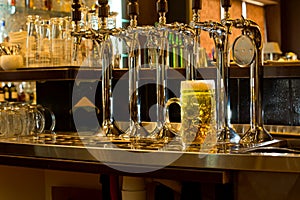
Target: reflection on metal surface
(288, 139)
(263, 161)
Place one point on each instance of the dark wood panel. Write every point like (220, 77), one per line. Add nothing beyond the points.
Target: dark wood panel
(290, 26)
(273, 23)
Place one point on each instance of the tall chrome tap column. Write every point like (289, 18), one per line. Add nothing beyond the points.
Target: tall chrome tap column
(251, 41)
(194, 64)
(219, 33)
(76, 17)
(227, 134)
(100, 38)
(162, 67)
(134, 58)
(106, 56)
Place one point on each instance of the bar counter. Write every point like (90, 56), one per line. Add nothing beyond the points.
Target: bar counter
(211, 167)
(244, 175)
(16, 153)
(279, 163)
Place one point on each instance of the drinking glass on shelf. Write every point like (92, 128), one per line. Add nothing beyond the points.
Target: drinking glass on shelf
(43, 47)
(32, 41)
(57, 49)
(67, 28)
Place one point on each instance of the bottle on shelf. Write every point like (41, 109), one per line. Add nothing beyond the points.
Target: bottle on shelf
(29, 3)
(6, 91)
(29, 90)
(1, 93)
(21, 93)
(3, 32)
(13, 93)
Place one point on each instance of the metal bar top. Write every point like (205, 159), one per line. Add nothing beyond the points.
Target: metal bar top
(124, 159)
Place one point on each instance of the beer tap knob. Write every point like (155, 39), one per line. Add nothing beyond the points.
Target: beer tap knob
(103, 12)
(226, 4)
(76, 17)
(196, 7)
(103, 9)
(197, 4)
(76, 13)
(162, 9)
(133, 12)
(162, 6)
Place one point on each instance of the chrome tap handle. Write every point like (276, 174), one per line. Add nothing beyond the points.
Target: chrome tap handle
(103, 12)
(226, 4)
(76, 13)
(133, 12)
(197, 4)
(162, 6)
(103, 9)
(162, 9)
(196, 7)
(132, 8)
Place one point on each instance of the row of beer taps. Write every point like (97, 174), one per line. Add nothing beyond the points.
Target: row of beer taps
(250, 40)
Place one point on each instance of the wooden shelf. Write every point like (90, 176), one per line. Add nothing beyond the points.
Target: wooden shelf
(71, 73)
(83, 73)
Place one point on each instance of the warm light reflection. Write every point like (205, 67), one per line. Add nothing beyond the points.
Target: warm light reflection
(244, 9)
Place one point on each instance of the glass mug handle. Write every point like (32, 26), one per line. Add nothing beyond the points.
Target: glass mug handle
(42, 109)
(176, 100)
(39, 128)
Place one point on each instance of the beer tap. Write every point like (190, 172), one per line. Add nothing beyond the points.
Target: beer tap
(134, 58)
(247, 50)
(164, 30)
(100, 38)
(80, 32)
(76, 17)
(227, 134)
(219, 33)
(194, 64)
(161, 69)
(136, 129)
(106, 55)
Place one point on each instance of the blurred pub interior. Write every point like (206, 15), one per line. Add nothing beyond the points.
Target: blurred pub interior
(279, 22)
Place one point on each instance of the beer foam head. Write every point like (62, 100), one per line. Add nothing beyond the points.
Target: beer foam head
(197, 85)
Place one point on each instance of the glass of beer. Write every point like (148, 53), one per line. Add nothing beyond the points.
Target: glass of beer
(198, 114)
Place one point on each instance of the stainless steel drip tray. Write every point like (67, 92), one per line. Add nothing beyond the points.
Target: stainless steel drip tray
(286, 140)
(275, 130)
(277, 145)
(270, 150)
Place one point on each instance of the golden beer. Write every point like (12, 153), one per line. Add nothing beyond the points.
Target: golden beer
(198, 115)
